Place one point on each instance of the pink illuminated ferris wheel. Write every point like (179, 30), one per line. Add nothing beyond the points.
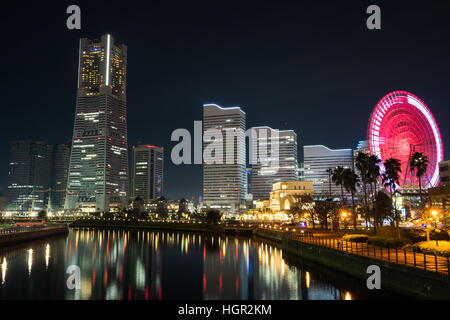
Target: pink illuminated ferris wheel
(400, 125)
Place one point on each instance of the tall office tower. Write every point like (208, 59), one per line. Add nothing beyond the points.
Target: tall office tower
(28, 176)
(148, 172)
(264, 172)
(98, 172)
(59, 157)
(224, 181)
(317, 160)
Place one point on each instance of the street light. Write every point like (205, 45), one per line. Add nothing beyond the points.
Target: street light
(435, 215)
(344, 215)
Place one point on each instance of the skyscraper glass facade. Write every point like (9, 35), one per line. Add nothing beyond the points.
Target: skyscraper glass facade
(148, 172)
(317, 160)
(284, 169)
(98, 171)
(224, 184)
(28, 176)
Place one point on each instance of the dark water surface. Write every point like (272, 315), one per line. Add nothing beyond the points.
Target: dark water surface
(117, 264)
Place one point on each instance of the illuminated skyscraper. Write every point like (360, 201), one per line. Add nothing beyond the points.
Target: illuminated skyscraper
(148, 172)
(98, 172)
(319, 159)
(28, 176)
(285, 169)
(224, 183)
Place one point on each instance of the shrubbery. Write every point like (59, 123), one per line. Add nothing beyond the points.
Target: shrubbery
(442, 248)
(387, 242)
(355, 237)
(419, 235)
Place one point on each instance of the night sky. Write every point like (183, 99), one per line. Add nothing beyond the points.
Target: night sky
(309, 66)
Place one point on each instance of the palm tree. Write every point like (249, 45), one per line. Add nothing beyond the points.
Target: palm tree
(361, 163)
(390, 179)
(419, 163)
(374, 172)
(350, 181)
(337, 177)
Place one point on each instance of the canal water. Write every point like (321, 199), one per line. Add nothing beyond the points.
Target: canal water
(121, 265)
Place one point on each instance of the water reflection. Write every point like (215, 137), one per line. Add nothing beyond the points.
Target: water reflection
(118, 265)
(30, 261)
(4, 268)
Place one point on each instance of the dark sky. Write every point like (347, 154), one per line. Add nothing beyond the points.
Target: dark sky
(311, 66)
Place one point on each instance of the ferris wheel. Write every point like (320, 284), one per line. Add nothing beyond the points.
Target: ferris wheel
(400, 125)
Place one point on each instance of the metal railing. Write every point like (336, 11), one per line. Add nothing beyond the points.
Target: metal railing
(427, 262)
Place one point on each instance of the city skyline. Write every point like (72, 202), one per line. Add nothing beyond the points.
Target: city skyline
(295, 90)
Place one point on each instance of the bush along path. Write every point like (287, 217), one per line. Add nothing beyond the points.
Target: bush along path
(408, 255)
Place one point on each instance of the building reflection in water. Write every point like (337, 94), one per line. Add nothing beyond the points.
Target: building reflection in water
(30, 261)
(152, 265)
(4, 267)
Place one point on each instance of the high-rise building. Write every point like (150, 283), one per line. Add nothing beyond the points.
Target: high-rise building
(98, 172)
(224, 181)
(444, 173)
(266, 172)
(28, 176)
(318, 160)
(59, 157)
(148, 172)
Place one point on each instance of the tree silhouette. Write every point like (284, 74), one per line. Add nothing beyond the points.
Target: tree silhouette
(419, 164)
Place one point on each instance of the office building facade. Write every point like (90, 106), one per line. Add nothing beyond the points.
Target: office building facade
(148, 172)
(59, 157)
(224, 182)
(28, 177)
(98, 172)
(266, 172)
(318, 159)
(444, 173)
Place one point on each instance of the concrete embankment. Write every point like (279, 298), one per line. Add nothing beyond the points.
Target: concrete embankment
(20, 237)
(162, 226)
(272, 235)
(404, 280)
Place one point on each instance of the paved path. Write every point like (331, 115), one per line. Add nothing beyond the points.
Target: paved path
(418, 260)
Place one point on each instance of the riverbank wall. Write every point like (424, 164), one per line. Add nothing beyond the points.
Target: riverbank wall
(25, 236)
(407, 281)
(161, 226)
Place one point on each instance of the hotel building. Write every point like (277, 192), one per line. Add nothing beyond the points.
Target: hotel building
(317, 160)
(224, 183)
(98, 172)
(265, 173)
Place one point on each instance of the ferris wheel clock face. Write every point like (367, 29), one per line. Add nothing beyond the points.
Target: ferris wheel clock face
(400, 125)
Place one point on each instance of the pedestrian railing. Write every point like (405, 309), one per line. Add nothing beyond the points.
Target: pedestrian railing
(412, 258)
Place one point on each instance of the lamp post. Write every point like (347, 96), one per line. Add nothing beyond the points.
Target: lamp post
(344, 215)
(435, 215)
